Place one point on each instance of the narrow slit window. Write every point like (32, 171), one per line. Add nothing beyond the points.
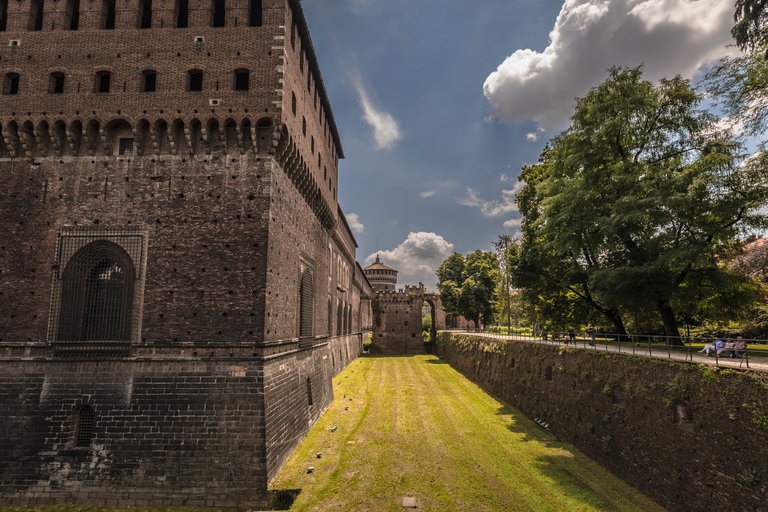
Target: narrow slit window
(85, 422)
(108, 15)
(36, 15)
(73, 14)
(293, 103)
(3, 15)
(219, 13)
(309, 391)
(181, 13)
(146, 14)
(254, 13)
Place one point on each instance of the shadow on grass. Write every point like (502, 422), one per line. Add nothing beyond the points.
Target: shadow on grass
(561, 467)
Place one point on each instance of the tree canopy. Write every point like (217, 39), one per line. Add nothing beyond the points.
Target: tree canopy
(629, 205)
(467, 285)
(750, 17)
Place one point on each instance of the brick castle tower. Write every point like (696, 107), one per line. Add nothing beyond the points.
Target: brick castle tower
(178, 284)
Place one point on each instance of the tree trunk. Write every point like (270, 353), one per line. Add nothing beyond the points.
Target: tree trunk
(615, 317)
(670, 325)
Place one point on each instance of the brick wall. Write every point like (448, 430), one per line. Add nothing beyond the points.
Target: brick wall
(689, 436)
(172, 432)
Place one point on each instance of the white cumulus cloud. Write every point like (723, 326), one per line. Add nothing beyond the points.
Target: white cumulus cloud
(669, 36)
(417, 258)
(355, 225)
(513, 224)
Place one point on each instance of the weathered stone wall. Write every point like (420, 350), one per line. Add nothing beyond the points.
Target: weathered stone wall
(691, 437)
(399, 327)
(174, 432)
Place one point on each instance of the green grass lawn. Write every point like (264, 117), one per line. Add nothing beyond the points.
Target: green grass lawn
(415, 427)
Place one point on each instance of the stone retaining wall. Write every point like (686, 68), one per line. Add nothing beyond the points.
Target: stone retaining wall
(692, 437)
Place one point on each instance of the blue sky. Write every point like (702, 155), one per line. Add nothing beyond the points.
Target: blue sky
(440, 102)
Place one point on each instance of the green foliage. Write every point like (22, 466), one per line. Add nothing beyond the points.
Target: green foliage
(750, 476)
(739, 85)
(629, 207)
(750, 17)
(467, 286)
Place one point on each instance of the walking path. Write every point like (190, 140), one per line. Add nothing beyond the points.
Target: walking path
(759, 363)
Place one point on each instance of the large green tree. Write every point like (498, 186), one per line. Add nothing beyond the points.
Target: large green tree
(636, 196)
(450, 276)
(467, 285)
(545, 274)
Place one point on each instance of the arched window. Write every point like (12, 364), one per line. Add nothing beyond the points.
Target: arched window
(241, 79)
(97, 294)
(56, 85)
(84, 427)
(330, 317)
(73, 14)
(338, 320)
(195, 80)
(219, 13)
(181, 14)
(254, 13)
(306, 300)
(108, 14)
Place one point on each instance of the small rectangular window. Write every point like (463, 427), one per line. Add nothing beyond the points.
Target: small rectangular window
(195, 80)
(104, 81)
(241, 80)
(126, 147)
(57, 83)
(13, 84)
(150, 81)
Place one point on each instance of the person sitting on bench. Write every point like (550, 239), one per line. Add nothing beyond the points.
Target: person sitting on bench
(739, 347)
(718, 346)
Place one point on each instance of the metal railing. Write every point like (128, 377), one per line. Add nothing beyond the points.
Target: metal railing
(649, 345)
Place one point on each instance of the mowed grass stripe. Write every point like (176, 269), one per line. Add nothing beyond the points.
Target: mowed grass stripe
(416, 427)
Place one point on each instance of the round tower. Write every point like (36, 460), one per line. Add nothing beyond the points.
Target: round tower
(381, 276)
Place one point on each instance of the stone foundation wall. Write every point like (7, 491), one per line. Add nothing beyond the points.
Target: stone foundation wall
(690, 436)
